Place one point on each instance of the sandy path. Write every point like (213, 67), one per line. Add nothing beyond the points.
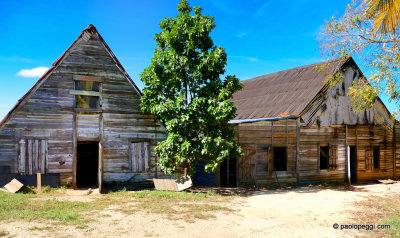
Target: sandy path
(301, 212)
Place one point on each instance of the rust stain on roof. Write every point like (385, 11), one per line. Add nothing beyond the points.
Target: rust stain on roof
(284, 93)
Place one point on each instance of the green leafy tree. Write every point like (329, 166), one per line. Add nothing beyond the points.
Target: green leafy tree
(356, 34)
(183, 89)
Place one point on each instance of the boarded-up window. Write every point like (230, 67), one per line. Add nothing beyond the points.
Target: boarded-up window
(32, 154)
(333, 157)
(87, 101)
(280, 159)
(323, 157)
(139, 156)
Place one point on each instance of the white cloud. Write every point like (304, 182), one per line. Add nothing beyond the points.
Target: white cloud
(242, 34)
(32, 73)
(253, 59)
(15, 59)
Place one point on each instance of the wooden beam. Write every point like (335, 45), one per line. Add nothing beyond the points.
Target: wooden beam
(394, 150)
(39, 182)
(75, 148)
(85, 93)
(88, 78)
(272, 133)
(87, 110)
(237, 160)
(297, 149)
(347, 158)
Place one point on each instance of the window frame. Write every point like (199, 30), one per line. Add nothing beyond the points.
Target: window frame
(98, 94)
(327, 158)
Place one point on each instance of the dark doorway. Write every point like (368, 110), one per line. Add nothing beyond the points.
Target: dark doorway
(353, 164)
(280, 159)
(87, 164)
(228, 173)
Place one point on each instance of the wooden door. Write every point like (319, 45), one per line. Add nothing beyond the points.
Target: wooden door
(100, 173)
(248, 162)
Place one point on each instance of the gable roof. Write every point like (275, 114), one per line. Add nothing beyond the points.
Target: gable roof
(282, 94)
(85, 34)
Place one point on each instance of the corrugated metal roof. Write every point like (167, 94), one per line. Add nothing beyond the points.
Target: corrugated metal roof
(286, 92)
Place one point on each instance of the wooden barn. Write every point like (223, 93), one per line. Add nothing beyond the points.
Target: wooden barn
(294, 128)
(81, 123)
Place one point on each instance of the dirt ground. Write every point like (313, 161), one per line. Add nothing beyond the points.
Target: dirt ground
(296, 212)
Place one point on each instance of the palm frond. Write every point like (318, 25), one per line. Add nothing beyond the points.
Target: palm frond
(386, 14)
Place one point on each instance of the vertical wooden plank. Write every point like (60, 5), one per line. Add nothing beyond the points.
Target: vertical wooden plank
(394, 151)
(39, 182)
(297, 149)
(133, 157)
(35, 148)
(272, 133)
(75, 147)
(146, 155)
(140, 156)
(26, 156)
(319, 158)
(101, 149)
(254, 172)
(130, 156)
(43, 156)
(347, 157)
(40, 158)
(46, 155)
(30, 156)
(237, 160)
(287, 136)
(155, 157)
(21, 156)
(100, 169)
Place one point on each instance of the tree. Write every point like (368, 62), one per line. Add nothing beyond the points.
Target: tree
(355, 34)
(183, 89)
(385, 13)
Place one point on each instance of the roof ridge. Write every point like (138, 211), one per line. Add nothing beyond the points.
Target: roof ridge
(295, 68)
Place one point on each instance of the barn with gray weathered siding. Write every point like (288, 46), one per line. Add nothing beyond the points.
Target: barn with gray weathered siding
(293, 127)
(81, 122)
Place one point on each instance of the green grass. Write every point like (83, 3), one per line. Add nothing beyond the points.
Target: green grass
(381, 211)
(25, 206)
(394, 223)
(174, 205)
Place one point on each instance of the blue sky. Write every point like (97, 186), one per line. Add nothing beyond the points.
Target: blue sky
(260, 37)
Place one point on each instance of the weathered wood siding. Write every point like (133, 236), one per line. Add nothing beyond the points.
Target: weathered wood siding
(257, 164)
(397, 150)
(366, 137)
(310, 141)
(333, 107)
(258, 140)
(48, 113)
